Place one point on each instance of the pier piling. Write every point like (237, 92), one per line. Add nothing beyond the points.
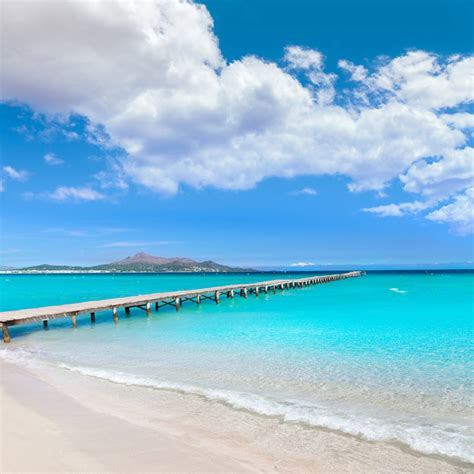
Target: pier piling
(6, 334)
(174, 298)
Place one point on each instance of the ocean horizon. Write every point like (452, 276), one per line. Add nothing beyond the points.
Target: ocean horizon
(387, 357)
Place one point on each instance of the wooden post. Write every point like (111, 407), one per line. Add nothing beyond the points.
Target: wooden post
(216, 297)
(6, 334)
(245, 293)
(177, 302)
(92, 317)
(266, 290)
(127, 310)
(274, 289)
(157, 306)
(115, 315)
(256, 291)
(148, 308)
(45, 324)
(74, 321)
(198, 299)
(231, 292)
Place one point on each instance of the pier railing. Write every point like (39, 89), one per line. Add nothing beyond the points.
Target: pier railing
(158, 300)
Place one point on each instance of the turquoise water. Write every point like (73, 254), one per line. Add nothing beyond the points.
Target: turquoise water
(385, 357)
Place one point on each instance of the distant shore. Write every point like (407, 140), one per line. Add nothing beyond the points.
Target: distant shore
(210, 272)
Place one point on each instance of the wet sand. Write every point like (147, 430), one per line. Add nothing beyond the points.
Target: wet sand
(53, 421)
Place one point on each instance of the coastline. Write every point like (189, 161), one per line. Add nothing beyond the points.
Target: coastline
(69, 422)
(46, 430)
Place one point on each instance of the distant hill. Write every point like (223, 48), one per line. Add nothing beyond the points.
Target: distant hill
(142, 262)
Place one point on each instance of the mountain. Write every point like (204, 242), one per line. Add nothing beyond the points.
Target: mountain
(144, 258)
(142, 262)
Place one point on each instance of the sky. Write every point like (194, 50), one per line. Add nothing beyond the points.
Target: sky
(264, 133)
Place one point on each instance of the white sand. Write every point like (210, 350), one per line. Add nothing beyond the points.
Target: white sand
(75, 423)
(43, 430)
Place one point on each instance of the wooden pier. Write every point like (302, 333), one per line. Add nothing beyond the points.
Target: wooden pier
(158, 300)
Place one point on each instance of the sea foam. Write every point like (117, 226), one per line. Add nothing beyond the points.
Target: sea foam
(446, 440)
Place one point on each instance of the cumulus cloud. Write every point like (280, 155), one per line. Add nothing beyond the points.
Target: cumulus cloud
(420, 79)
(70, 193)
(442, 178)
(358, 73)
(303, 58)
(184, 115)
(312, 63)
(461, 120)
(17, 175)
(302, 264)
(459, 214)
(52, 159)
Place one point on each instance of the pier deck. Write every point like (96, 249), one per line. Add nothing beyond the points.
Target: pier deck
(145, 302)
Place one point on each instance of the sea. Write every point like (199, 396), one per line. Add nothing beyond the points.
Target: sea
(387, 357)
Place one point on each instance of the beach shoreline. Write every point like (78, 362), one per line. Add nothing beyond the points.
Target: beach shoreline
(44, 430)
(68, 422)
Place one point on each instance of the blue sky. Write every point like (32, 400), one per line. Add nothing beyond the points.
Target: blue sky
(283, 132)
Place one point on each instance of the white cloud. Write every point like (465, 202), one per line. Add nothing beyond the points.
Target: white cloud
(397, 210)
(421, 79)
(459, 214)
(184, 115)
(440, 179)
(312, 62)
(17, 175)
(358, 73)
(113, 177)
(302, 264)
(70, 193)
(303, 58)
(461, 120)
(304, 191)
(52, 159)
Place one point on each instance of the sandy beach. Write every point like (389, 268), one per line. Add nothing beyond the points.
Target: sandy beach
(96, 426)
(44, 430)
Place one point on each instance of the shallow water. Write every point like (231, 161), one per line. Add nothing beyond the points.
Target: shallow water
(385, 357)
